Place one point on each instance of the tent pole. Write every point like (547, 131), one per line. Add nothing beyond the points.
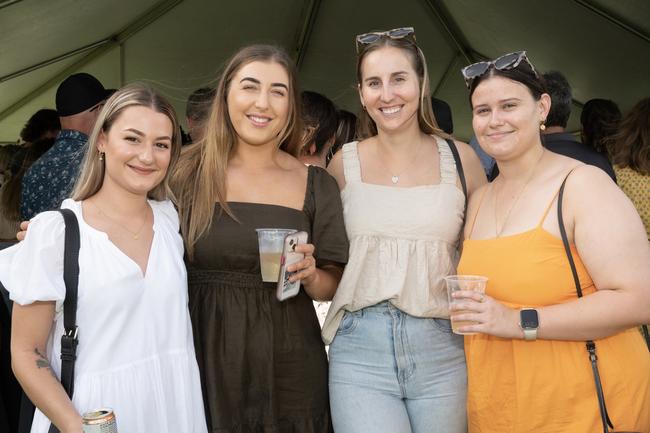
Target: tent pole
(304, 33)
(122, 65)
(6, 3)
(614, 20)
(158, 10)
(56, 79)
(445, 76)
(452, 30)
(56, 59)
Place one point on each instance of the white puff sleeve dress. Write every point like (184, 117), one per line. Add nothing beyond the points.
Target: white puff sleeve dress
(135, 353)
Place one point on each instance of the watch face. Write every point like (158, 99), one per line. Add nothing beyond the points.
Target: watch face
(529, 319)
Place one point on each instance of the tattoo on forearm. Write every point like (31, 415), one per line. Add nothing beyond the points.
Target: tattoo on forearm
(43, 362)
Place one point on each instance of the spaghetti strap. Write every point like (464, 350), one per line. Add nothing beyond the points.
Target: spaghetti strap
(548, 207)
(480, 202)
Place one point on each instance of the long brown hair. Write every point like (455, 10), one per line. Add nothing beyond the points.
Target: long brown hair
(366, 127)
(630, 146)
(91, 176)
(201, 175)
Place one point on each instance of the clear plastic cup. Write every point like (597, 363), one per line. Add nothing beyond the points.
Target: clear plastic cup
(456, 283)
(270, 243)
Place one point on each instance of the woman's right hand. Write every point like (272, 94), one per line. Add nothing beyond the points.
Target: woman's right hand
(23, 230)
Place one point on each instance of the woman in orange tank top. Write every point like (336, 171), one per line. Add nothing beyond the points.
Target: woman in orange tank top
(535, 375)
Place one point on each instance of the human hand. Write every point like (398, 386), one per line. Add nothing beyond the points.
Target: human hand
(490, 315)
(23, 230)
(305, 270)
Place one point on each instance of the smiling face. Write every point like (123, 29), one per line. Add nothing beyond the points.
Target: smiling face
(258, 102)
(137, 150)
(390, 89)
(506, 117)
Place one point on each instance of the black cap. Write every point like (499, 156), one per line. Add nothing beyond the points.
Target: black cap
(79, 92)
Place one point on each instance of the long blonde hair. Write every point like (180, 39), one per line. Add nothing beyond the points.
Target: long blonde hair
(91, 176)
(201, 174)
(366, 127)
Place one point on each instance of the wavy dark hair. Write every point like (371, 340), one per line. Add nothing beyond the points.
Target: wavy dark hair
(522, 74)
(42, 121)
(11, 191)
(600, 119)
(630, 146)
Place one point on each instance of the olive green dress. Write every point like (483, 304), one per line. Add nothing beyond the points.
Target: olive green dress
(263, 364)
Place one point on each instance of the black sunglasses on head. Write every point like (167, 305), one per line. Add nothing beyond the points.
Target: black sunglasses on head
(398, 33)
(505, 62)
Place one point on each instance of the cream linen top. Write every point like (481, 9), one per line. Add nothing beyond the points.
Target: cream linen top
(403, 241)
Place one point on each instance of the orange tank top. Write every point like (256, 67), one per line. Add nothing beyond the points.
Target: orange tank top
(544, 386)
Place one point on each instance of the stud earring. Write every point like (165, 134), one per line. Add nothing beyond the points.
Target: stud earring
(542, 126)
(101, 156)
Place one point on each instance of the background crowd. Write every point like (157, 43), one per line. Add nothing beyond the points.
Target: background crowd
(387, 196)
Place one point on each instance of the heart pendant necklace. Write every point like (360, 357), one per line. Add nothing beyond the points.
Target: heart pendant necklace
(395, 177)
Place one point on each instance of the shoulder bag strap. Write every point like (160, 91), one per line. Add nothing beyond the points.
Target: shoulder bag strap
(69, 339)
(461, 172)
(591, 346)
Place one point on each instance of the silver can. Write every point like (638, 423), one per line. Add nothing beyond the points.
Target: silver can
(99, 421)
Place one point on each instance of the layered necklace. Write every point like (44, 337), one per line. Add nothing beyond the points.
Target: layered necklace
(395, 177)
(498, 230)
(134, 234)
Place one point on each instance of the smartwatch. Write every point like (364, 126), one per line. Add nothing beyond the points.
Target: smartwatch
(529, 322)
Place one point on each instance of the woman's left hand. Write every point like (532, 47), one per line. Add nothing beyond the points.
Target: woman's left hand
(306, 268)
(492, 316)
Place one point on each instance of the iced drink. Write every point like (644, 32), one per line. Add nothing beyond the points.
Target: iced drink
(270, 243)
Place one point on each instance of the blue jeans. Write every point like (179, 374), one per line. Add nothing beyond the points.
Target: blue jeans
(394, 373)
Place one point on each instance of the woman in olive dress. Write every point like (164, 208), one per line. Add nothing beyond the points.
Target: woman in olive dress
(263, 364)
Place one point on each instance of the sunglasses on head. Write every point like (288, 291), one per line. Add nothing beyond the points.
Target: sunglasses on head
(505, 62)
(398, 33)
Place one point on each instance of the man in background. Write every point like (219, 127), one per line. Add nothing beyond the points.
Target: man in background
(50, 180)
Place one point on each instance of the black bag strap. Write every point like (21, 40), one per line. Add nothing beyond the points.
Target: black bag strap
(461, 172)
(591, 346)
(69, 339)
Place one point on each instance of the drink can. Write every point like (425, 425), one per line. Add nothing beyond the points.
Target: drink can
(99, 421)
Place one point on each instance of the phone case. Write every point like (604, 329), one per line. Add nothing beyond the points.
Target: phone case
(286, 289)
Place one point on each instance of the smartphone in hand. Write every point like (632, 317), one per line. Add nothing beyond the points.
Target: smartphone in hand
(289, 256)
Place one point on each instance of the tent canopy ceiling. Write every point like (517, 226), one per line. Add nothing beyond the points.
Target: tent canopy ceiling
(602, 46)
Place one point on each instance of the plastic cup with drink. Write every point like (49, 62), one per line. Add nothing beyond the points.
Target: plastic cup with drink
(457, 283)
(271, 242)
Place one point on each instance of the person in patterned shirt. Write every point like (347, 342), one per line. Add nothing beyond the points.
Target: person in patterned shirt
(50, 179)
(630, 152)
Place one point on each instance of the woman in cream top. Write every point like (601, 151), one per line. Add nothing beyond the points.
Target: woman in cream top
(395, 365)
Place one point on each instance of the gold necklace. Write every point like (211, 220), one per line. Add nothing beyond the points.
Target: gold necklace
(514, 203)
(395, 177)
(136, 234)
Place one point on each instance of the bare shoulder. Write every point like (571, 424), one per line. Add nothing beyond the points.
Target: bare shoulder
(291, 163)
(335, 169)
(588, 182)
(590, 195)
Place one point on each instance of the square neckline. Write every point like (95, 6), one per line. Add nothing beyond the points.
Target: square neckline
(310, 172)
(412, 187)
